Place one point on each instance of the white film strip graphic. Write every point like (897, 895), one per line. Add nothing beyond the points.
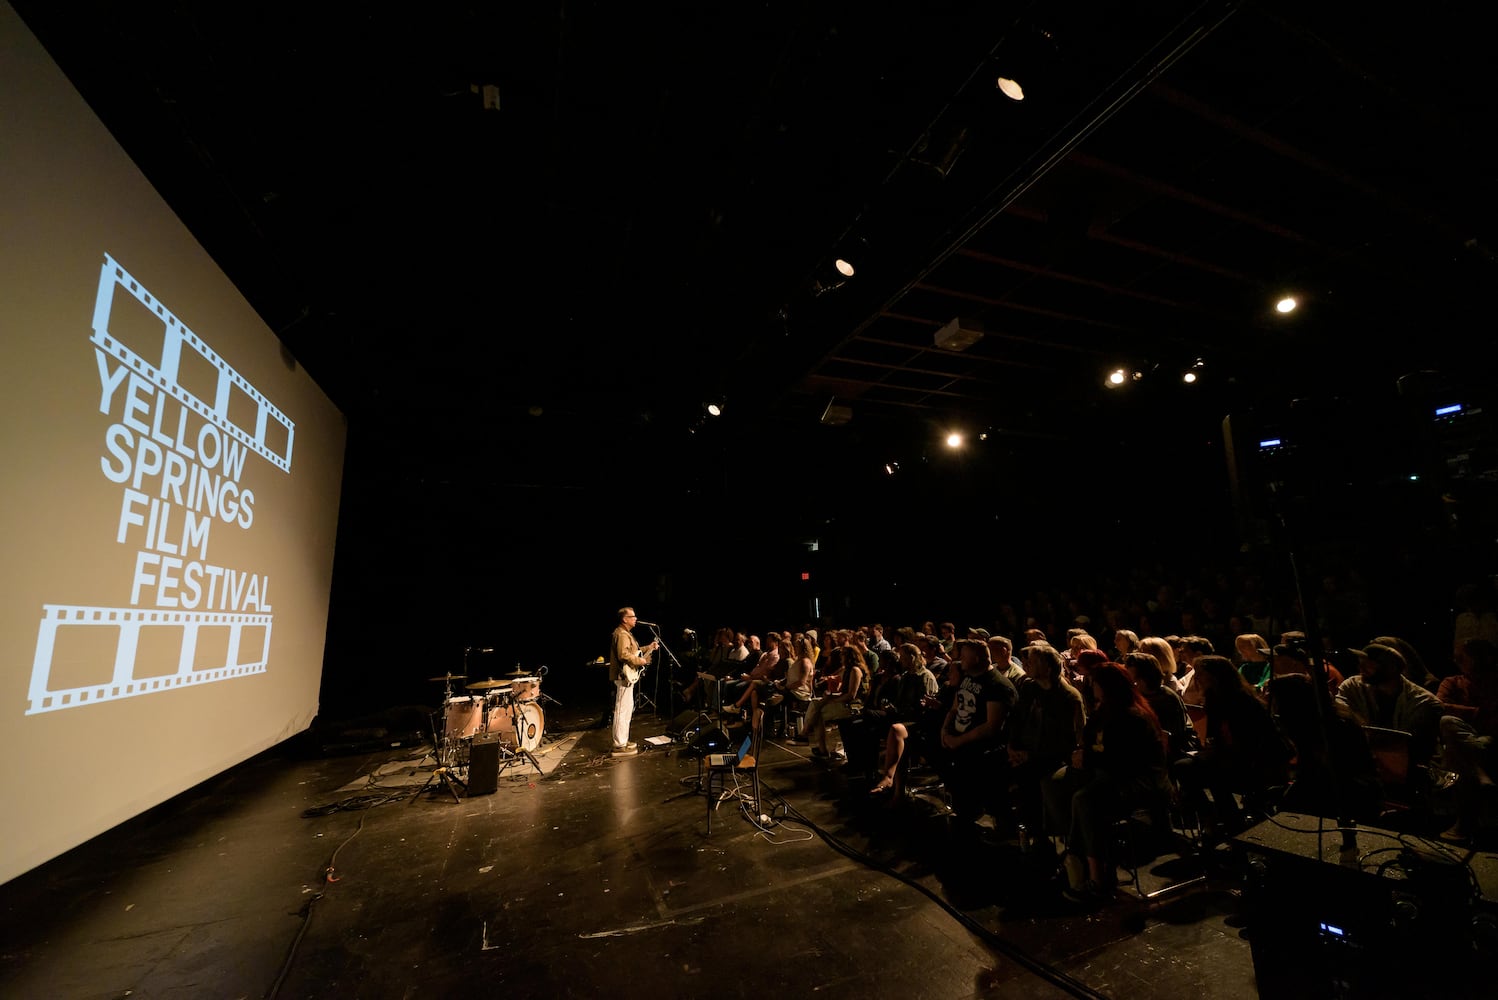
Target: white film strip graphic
(164, 374)
(123, 683)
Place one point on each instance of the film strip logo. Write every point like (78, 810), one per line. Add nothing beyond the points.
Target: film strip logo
(123, 682)
(82, 662)
(164, 374)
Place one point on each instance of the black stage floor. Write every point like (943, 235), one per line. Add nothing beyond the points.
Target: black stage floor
(599, 878)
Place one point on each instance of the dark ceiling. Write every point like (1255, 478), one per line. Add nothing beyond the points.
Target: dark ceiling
(648, 216)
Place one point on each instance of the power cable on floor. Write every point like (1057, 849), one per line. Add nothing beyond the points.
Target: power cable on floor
(328, 878)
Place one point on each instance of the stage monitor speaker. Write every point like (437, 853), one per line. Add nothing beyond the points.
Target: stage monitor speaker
(483, 765)
(687, 724)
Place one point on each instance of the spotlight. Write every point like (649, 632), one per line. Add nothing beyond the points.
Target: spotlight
(1117, 377)
(715, 408)
(1011, 89)
(890, 468)
(1189, 378)
(1191, 375)
(843, 267)
(1286, 304)
(954, 440)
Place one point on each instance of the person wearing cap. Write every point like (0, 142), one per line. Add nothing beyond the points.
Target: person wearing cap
(978, 633)
(1380, 695)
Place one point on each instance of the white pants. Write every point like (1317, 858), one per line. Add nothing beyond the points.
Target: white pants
(624, 710)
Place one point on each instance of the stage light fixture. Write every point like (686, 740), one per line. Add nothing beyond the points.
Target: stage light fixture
(1189, 378)
(843, 267)
(1193, 374)
(715, 407)
(1117, 377)
(1286, 304)
(1011, 89)
(954, 439)
(890, 468)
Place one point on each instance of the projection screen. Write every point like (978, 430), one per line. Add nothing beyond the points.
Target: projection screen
(170, 490)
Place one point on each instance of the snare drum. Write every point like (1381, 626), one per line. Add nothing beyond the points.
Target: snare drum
(521, 725)
(526, 689)
(462, 717)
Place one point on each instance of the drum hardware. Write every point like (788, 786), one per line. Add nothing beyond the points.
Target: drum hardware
(508, 708)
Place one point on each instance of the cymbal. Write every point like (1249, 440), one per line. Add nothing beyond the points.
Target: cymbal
(448, 677)
(520, 672)
(488, 685)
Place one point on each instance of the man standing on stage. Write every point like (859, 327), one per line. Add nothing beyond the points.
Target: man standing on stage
(626, 659)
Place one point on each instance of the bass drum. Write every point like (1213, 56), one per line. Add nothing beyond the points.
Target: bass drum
(520, 725)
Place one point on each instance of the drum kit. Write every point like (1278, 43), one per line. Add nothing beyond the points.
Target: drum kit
(509, 709)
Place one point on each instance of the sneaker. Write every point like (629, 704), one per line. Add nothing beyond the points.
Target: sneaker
(627, 750)
(731, 710)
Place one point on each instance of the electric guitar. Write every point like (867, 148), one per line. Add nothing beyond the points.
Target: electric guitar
(630, 672)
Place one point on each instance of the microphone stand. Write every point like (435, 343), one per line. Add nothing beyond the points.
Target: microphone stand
(645, 699)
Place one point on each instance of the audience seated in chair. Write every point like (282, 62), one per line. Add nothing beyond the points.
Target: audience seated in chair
(972, 733)
(1046, 728)
(1244, 751)
(1380, 695)
(918, 735)
(1119, 767)
(1469, 735)
(847, 700)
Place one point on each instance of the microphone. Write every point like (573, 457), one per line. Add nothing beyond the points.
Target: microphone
(649, 624)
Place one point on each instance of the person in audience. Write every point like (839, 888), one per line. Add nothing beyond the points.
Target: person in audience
(1077, 639)
(876, 640)
(736, 690)
(1081, 677)
(1125, 641)
(1469, 733)
(704, 688)
(1244, 751)
(922, 732)
(1380, 695)
(1157, 647)
(1335, 774)
(1193, 648)
(898, 701)
(1414, 664)
(948, 635)
(1046, 728)
(1001, 653)
(795, 681)
(1254, 660)
(973, 728)
(845, 702)
(1169, 709)
(1119, 767)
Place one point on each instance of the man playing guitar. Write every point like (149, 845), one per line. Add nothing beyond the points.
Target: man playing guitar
(626, 660)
